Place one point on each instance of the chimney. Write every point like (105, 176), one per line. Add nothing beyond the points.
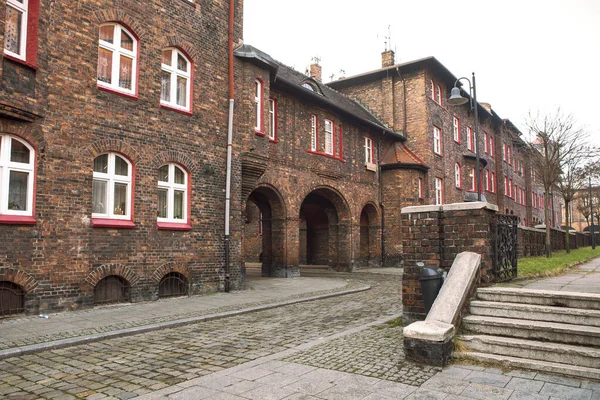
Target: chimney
(315, 71)
(387, 58)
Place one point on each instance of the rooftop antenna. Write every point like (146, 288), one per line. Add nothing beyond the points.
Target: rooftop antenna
(316, 59)
(388, 39)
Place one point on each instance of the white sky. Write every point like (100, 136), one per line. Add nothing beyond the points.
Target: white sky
(526, 54)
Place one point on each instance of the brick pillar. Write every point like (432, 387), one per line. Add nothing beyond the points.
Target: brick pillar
(292, 246)
(346, 252)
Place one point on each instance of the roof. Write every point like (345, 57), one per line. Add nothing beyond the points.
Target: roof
(397, 155)
(291, 80)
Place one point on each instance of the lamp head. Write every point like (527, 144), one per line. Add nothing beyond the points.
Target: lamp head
(455, 98)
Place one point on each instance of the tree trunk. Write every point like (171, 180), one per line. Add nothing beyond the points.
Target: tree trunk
(567, 228)
(547, 222)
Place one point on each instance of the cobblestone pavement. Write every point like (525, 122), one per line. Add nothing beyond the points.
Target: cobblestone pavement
(130, 366)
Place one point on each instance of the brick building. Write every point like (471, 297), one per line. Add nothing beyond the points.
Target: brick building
(113, 118)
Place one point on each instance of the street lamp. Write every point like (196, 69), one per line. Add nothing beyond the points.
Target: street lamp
(456, 100)
(592, 216)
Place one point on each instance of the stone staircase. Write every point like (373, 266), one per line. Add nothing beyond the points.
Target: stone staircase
(555, 332)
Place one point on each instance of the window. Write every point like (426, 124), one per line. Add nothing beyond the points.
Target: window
(456, 129)
(510, 188)
(493, 182)
(16, 180)
(506, 191)
(439, 191)
(503, 151)
(457, 176)
(313, 134)
(420, 188)
(437, 140)
(15, 28)
(258, 95)
(509, 155)
(117, 59)
(438, 95)
(485, 143)
(470, 144)
(328, 137)
(432, 90)
(273, 120)
(487, 180)
(471, 179)
(369, 150)
(492, 146)
(175, 79)
(112, 187)
(172, 195)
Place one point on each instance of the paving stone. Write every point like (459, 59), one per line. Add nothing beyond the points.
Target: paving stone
(517, 395)
(567, 392)
(455, 372)
(196, 392)
(392, 389)
(268, 392)
(561, 380)
(486, 392)
(525, 385)
(308, 386)
(444, 384)
(487, 378)
(425, 394)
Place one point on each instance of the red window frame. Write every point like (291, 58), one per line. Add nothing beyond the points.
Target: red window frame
(456, 136)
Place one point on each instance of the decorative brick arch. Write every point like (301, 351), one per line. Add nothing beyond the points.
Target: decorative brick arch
(105, 270)
(19, 277)
(336, 198)
(27, 132)
(119, 15)
(187, 48)
(174, 156)
(117, 145)
(373, 212)
(168, 267)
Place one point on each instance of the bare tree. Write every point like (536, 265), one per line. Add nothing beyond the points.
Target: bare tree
(558, 147)
(583, 206)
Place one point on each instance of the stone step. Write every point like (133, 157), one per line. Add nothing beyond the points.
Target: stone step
(536, 330)
(565, 315)
(532, 349)
(536, 365)
(590, 301)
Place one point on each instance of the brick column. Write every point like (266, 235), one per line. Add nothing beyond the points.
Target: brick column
(292, 246)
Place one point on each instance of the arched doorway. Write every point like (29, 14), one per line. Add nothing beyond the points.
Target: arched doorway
(324, 237)
(369, 238)
(264, 231)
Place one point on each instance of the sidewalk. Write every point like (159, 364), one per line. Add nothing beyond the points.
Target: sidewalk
(584, 278)
(32, 334)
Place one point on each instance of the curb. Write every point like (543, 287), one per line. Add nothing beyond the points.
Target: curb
(62, 343)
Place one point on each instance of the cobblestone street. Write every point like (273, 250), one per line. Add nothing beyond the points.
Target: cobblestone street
(131, 366)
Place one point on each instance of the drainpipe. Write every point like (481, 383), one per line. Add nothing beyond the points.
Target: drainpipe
(229, 145)
(381, 202)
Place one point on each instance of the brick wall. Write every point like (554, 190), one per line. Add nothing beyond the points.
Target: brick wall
(433, 236)
(75, 121)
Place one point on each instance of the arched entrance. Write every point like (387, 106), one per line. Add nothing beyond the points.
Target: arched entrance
(369, 238)
(324, 237)
(264, 233)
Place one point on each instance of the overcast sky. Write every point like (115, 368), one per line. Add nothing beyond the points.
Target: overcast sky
(526, 54)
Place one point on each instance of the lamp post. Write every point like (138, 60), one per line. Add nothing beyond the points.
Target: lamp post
(456, 100)
(592, 217)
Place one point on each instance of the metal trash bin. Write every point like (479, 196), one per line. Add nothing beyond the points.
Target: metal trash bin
(431, 283)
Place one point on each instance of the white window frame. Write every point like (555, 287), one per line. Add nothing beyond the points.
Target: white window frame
(457, 176)
(439, 191)
(171, 187)
(437, 140)
(456, 129)
(6, 166)
(369, 150)
(472, 178)
(420, 187)
(111, 179)
(492, 182)
(470, 141)
(432, 90)
(117, 51)
(258, 91)
(328, 127)
(174, 73)
(23, 8)
(485, 143)
(314, 132)
(438, 95)
(272, 119)
(487, 180)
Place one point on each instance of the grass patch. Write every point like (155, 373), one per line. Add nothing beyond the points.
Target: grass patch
(394, 323)
(535, 267)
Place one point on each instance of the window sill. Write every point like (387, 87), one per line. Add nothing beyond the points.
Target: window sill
(325, 155)
(17, 220)
(173, 226)
(179, 110)
(258, 133)
(112, 223)
(273, 140)
(19, 61)
(117, 92)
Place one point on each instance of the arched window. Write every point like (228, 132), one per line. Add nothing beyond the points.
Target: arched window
(176, 72)
(16, 177)
(12, 298)
(112, 289)
(173, 284)
(172, 194)
(117, 59)
(457, 175)
(111, 190)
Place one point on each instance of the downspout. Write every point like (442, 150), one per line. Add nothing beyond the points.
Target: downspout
(229, 146)
(403, 101)
(381, 203)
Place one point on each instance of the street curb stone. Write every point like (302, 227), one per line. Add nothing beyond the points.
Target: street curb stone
(62, 343)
